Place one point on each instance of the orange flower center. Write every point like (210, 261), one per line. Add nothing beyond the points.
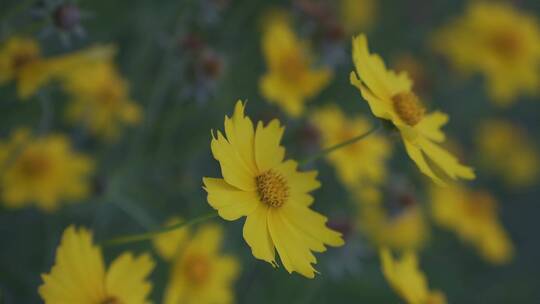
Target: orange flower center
(408, 107)
(34, 164)
(22, 58)
(292, 67)
(272, 188)
(197, 269)
(506, 44)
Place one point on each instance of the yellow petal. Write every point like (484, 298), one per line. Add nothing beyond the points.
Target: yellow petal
(257, 235)
(379, 107)
(268, 152)
(430, 126)
(127, 278)
(230, 202)
(240, 134)
(446, 161)
(416, 155)
(298, 182)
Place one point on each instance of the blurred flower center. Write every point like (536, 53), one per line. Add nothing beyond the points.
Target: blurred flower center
(292, 67)
(408, 107)
(22, 58)
(481, 206)
(34, 164)
(272, 188)
(197, 269)
(507, 44)
(109, 95)
(111, 300)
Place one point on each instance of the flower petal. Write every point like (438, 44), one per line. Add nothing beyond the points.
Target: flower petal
(230, 202)
(445, 161)
(257, 235)
(430, 126)
(298, 182)
(240, 134)
(126, 278)
(416, 155)
(268, 151)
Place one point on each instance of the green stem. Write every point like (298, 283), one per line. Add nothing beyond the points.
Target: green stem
(151, 234)
(333, 148)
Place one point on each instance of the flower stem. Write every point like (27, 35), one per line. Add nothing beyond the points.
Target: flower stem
(338, 146)
(151, 234)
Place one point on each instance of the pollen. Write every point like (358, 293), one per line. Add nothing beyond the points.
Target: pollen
(408, 107)
(272, 188)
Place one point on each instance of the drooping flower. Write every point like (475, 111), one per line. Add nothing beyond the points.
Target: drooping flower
(273, 195)
(361, 163)
(100, 99)
(79, 274)
(499, 41)
(505, 150)
(43, 170)
(200, 274)
(473, 217)
(405, 277)
(291, 78)
(390, 97)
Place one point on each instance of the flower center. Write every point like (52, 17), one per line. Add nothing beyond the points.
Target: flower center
(111, 300)
(197, 269)
(506, 44)
(292, 67)
(408, 107)
(22, 58)
(34, 165)
(272, 188)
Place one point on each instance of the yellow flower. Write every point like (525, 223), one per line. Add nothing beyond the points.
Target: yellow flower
(363, 162)
(290, 79)
(358, 15)
(79, 274)
(405, 277)
(168, 244)
(390, 97)
(500, 42)
(473, 216)
(42, 170)
(100, 99)
(200, 274)
(505, 150)
(259, 184)
(21, 60)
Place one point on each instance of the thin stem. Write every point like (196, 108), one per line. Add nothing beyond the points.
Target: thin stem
(333, 148)
(151, 234)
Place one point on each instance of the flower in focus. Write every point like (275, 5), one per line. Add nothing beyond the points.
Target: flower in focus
(42, 170)
(100, 99)
(505, 150)
(358, 15)
(200, 273)
(290, 79)
(390, 97)
(405, 277)
(473, 217)
(79, 274)
(500, 42)
(363, 162)
(270, 192)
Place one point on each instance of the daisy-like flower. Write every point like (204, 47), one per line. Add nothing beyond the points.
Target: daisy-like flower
(44, 171)
(472, 215)
(499, 41)
(290, 79)
(405, 277)
(200, 274)
(390, 97)
(100, 99)
(273, 195)
(79, 274)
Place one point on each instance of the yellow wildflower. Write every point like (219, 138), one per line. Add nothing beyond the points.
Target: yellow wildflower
(79, 274)
(390, 97)
(168, 244)
(200, 274)
(290, 79)
(363, 162)
(499, 41)
(42, 170)
(358, 15)
(473, 216)
(100, 99)
(405, 277)
(505, 150)
(259, 184)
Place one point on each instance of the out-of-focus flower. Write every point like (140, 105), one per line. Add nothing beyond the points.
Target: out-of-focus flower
(270, 192)
(79, 274)
(43, 170)
(498, 41)
(290, 79)
(168, 244)
(473, 216)
(21, 60)
(100, 99)
(405, 277)
(505, 150)
(363, 162)
(357, 15)
(390, 97)
(200, 273)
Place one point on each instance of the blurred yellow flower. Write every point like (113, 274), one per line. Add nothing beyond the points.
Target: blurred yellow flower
(363, 162)
(79, 274)
(357, 15)
(100, 99)
(390, 97)
(499, 41)
(43, 170)
(270, 192)
(21, 60)
(405, 277)
(168, 244)
(200, 274)
(290, 78)
(505, 150)
(473, 216)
